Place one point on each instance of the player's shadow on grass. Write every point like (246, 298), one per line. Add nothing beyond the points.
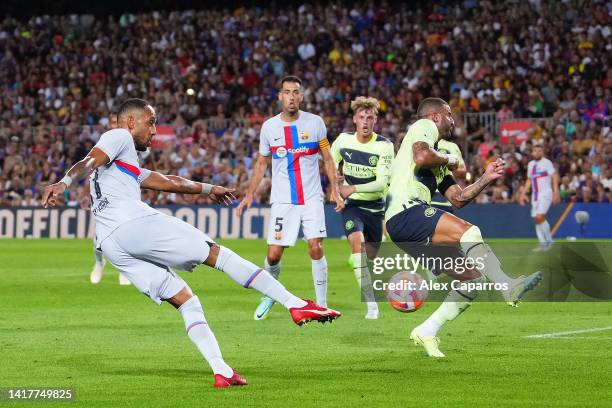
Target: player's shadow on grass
(157, 372)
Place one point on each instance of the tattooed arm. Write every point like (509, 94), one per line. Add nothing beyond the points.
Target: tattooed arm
(460, 197)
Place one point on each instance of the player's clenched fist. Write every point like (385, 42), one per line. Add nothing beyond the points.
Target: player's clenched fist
(495, 170)
(52, 193)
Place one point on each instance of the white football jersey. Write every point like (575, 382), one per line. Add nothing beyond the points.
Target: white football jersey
(115, 187)
(540, 172)
(295, 156)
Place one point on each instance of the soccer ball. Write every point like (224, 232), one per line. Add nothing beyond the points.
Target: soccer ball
(404, 292)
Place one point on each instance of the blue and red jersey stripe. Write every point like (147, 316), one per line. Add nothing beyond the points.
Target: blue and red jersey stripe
(295, 150)
(128, 169)
(534, 178)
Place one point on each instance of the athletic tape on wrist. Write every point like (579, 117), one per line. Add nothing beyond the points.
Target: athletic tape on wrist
(67, 180)
(206, 188)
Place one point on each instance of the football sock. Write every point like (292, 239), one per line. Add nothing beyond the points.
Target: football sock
(454, 304)
(545, 226)
(201, 335)
(540, 233)
(475, 249)
(362, 275)
(249, 275)
(99, 256)
(319, 276)
(273, 269)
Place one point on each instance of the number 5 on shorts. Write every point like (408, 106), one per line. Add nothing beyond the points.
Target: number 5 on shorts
(278, 226)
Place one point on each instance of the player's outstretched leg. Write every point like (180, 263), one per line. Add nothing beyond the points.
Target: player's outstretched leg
(474, 247)
(266, 303)
(426, 334)
(202, 336)
(96, 273)
(249, 275)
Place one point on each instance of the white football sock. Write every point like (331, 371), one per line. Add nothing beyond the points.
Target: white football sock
(249, 275)
(540, 233)
(362, 274)
(545, 226)
(273, 269)
(201, 335)
(475, 249)
(99, 257)
(455, 303)
(319, 276)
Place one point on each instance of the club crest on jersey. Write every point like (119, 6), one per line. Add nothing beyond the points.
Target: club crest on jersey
(281, 152)
(373, 160)
(278, 236)
(349, 225)
(304, 135)
(429, 212)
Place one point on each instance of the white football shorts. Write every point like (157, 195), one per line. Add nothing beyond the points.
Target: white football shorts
(540, 206)
(285, 221)
(145, 249)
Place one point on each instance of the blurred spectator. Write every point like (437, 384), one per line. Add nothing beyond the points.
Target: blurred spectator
(212, 75)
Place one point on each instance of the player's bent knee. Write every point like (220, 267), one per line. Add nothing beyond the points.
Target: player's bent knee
(213, 254)
(274, 254)
(180, 298)
(472, 234)
(315, 248)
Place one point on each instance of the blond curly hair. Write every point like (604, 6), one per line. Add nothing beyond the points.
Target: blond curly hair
(365, 102)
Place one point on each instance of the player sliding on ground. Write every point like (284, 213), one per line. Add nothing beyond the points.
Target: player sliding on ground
(365, 161)
(292, 142)
(144, 243)
(417, 171)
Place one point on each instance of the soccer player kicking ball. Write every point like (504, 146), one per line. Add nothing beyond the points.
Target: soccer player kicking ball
(365, 160)
(292, 141)
(144, 244)
(543, 181)
(416, 172)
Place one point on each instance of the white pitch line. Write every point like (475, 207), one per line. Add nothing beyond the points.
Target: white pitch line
(564, 333)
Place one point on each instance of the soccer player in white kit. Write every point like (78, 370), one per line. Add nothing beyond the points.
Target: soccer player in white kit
(543, 181)
(292, 141)
(144, 244)
(85, 203)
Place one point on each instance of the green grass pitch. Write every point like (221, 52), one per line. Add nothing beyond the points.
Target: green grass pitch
(117, 348)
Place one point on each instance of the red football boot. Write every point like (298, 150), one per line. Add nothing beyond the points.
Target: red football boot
(223, 382)
(312, 311)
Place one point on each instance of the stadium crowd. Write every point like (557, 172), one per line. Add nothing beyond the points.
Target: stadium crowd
(212, 75)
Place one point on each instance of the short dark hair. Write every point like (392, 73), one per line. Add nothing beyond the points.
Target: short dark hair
(428, 104)
(290, 78)
(131, 105)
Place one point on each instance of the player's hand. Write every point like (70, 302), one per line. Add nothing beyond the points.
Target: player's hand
(246, 202)
(222, 195)
(85, 202)
(339, 201)
(495, 170)
(52, 193)
(345, 190)
(556, 198)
